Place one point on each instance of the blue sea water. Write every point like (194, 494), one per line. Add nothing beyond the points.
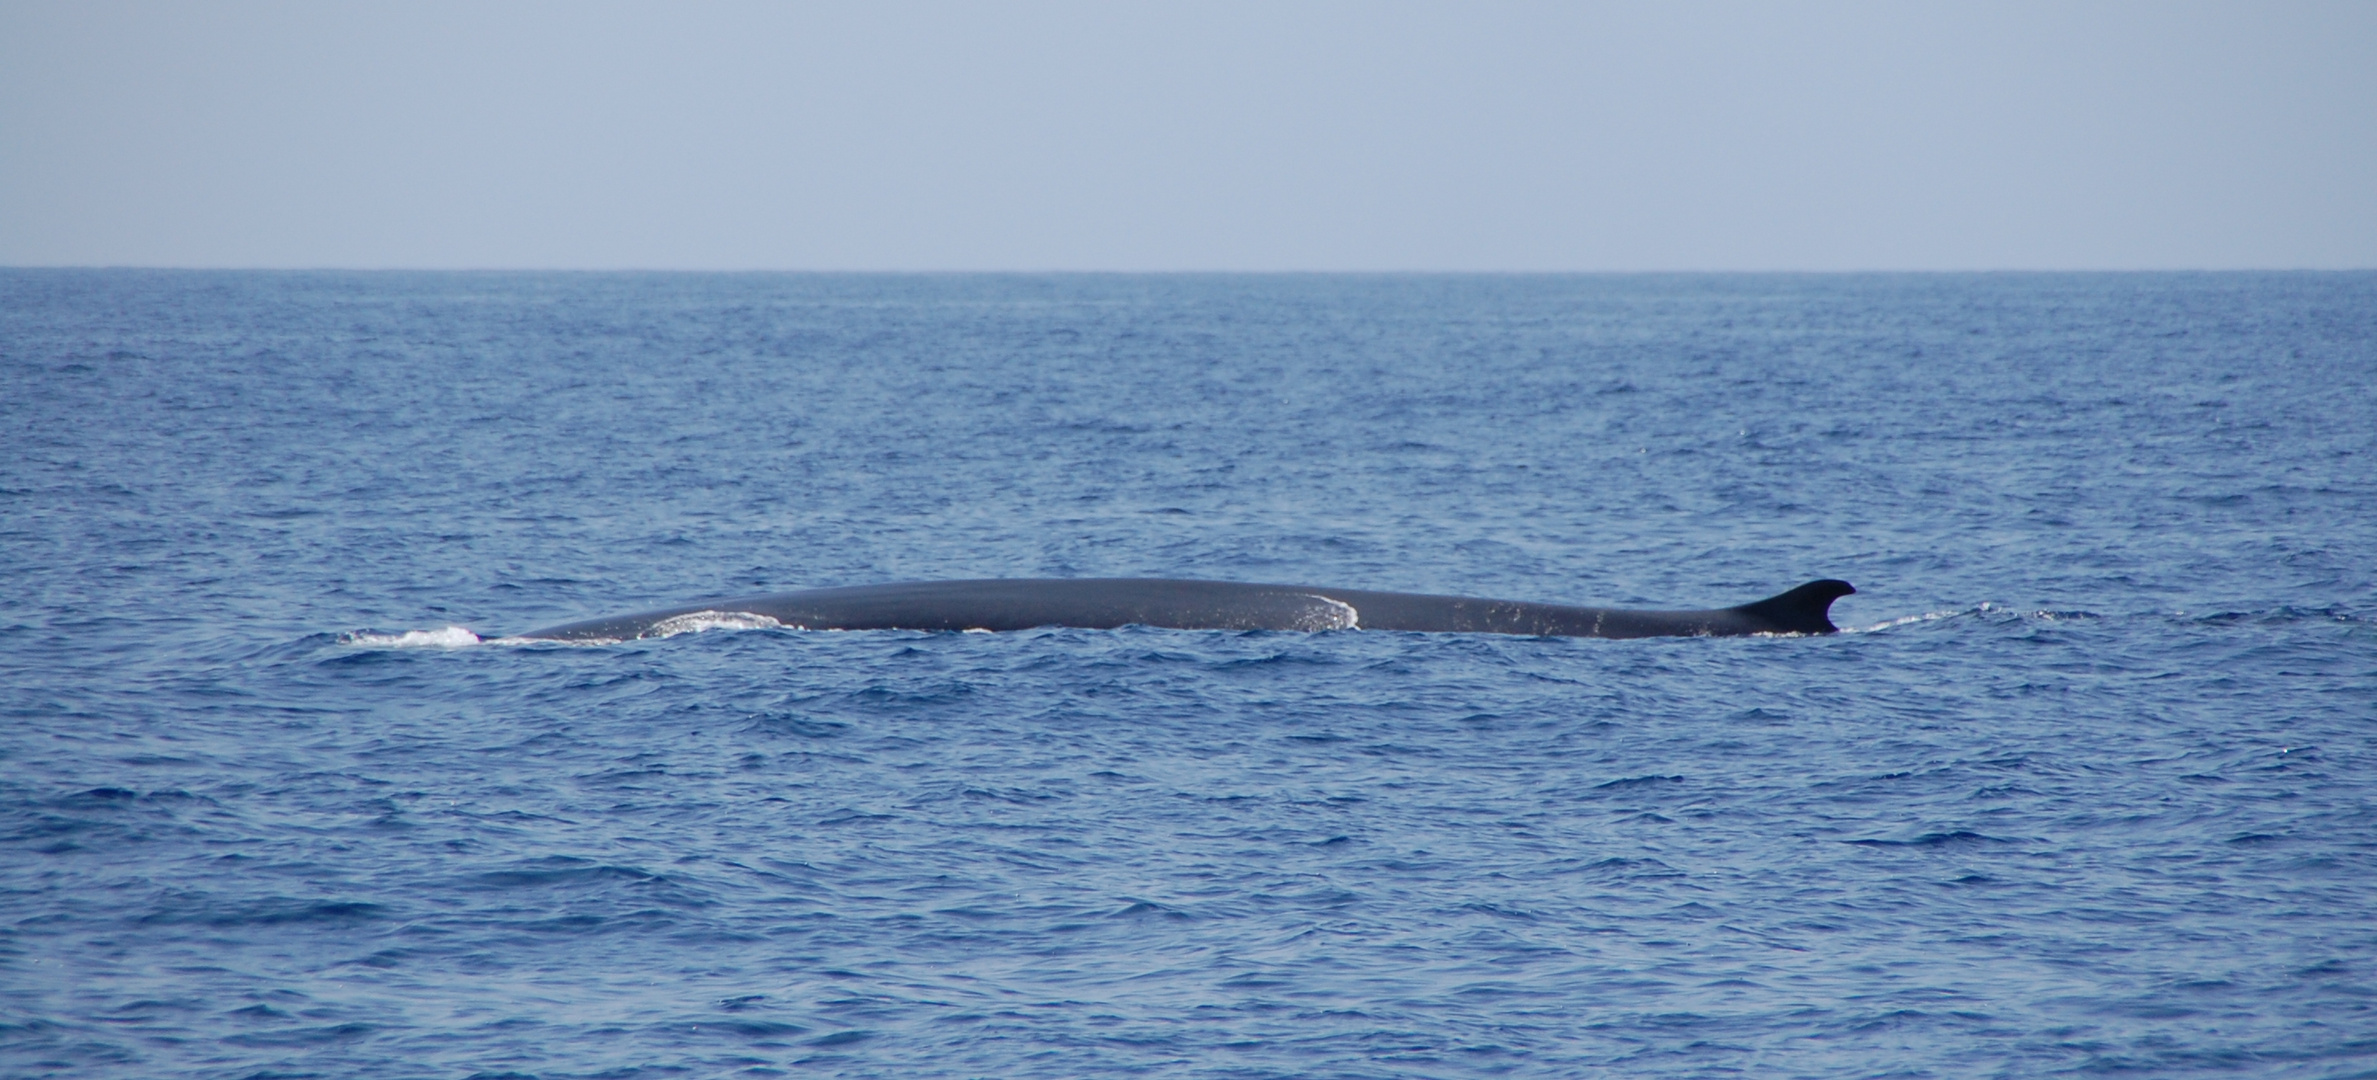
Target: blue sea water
(2091, 789)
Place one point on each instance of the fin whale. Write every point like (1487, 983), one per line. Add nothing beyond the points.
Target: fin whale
(1105, 603)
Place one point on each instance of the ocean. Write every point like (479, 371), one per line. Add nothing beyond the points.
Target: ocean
(2089, 787)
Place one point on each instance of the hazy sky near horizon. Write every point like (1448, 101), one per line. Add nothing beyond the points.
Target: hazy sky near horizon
(1205, 136)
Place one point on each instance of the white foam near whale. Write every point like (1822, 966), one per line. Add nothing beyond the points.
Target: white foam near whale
(1909, 620)
(449, 637)
(457, 637)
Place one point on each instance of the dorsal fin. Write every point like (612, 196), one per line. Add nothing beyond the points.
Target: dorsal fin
(1804, 610)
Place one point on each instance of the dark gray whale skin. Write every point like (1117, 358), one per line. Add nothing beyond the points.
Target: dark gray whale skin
(1104, 603)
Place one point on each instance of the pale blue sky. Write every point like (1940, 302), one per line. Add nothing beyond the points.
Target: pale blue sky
(1207, 136)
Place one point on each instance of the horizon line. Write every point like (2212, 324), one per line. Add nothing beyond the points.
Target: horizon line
(1173, 272)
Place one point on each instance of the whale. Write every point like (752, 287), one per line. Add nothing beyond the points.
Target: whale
(1001, 604)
